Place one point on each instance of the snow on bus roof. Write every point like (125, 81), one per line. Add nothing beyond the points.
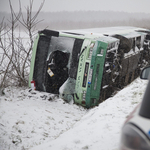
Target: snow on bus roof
(107, 30)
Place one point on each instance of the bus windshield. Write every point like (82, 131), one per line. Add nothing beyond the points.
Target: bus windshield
(61, 61)
(62, 45)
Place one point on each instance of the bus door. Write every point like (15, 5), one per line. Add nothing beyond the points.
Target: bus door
(95, 74)
(82, 73)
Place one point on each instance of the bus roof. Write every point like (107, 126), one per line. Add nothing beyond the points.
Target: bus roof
(108, 31)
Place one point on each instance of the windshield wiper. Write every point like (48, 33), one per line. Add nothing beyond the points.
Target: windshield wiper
(81, 52)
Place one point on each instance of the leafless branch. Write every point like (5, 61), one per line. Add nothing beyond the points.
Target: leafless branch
(15, 56)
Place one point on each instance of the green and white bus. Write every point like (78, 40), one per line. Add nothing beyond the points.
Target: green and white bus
(87, 66)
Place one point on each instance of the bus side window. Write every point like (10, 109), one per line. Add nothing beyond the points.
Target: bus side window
(138, 42)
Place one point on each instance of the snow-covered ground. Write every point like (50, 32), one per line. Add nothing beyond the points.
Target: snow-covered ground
(42, 121)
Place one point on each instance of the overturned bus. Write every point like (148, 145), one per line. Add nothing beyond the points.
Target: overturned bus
(88, 66)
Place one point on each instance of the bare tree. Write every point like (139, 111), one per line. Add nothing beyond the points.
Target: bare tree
(30, 23)
(3, 71)
(14, 54)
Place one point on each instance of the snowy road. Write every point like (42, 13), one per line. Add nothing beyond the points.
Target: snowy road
(42, 121)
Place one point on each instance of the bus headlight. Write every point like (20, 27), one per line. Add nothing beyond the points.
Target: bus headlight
(84, 97)
(91, 50)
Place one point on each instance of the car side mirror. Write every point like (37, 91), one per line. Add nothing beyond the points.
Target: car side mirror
(145, 74)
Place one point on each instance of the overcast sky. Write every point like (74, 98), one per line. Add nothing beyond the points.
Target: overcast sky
(76, 5)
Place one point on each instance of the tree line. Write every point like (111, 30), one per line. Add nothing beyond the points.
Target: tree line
(87, 19)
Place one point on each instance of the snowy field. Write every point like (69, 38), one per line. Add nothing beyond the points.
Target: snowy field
(42, 121)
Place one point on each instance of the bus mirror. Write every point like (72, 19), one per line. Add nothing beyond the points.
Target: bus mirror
(145, 73)
(49, 32)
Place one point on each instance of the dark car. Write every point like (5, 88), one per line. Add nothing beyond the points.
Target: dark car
(136, 130)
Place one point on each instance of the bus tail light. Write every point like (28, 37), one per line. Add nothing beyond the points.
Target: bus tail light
(33, 87)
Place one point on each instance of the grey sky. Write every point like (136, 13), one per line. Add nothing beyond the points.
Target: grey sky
(76, 5)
